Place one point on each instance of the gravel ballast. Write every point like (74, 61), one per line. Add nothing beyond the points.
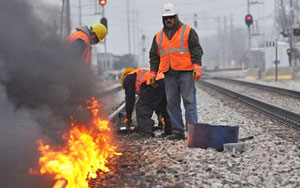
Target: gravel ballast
(270, 160)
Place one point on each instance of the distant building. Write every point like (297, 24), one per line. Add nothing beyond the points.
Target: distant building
(110, 65)
(106, 62)
(270, 54)
(257, 58)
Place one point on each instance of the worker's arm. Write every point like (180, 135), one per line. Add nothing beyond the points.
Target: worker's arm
(129, 86)
(154, 56)
(195, 47)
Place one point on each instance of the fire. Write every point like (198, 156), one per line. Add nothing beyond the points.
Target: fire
(86, 151)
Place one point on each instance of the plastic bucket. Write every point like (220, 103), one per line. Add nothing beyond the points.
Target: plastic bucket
(205, 136)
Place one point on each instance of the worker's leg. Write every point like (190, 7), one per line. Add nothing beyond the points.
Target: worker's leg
(173, 102)
(148, 102)
(188, 93)
(162, 108)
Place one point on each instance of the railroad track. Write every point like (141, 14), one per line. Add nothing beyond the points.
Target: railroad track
(282, 91)
(275, 112)
(110, 91)
(235, 95)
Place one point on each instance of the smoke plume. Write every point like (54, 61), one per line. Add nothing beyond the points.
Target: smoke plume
(41, 84)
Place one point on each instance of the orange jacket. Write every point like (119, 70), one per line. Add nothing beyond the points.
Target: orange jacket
(83, 36)
(174, 53)
(142, 76)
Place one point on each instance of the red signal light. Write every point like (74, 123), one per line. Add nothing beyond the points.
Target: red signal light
(249, 20)
(102, 2)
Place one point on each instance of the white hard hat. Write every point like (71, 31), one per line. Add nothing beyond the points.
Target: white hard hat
(169, 10)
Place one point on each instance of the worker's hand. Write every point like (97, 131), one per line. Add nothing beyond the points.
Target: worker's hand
(127, 121)
(153, 78)
(197, 72)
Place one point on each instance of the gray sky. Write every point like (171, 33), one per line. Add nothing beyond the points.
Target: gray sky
(145, 18)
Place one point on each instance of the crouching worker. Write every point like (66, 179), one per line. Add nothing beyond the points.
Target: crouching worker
(137, 81)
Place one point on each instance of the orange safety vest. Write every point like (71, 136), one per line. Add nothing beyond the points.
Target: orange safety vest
(174, 53)
(142, 76)
(83, 36)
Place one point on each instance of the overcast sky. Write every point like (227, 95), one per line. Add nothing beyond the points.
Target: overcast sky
(145, 18)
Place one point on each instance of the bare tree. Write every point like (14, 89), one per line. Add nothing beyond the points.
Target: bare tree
(286, 19)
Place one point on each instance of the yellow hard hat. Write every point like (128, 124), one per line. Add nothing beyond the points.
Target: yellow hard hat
(124, 73)
(100, 30)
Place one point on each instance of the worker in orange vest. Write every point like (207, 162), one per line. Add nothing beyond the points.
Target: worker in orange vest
(177, 53)
(137, 81)
(82, 39)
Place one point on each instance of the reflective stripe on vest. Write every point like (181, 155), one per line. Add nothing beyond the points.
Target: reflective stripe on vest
(180, 49)
(174, 52)
(142, 75)
(83, 36)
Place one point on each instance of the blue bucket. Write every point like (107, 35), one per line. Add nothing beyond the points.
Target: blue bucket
(205, 136)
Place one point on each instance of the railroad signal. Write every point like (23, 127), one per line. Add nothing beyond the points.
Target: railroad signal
(249, 20)
(102, 2)
(296, 32)
(104, 21)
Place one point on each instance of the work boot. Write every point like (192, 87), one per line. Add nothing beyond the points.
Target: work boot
(176, 136)
(155, 128)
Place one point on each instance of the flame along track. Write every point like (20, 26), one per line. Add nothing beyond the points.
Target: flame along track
(86, 151)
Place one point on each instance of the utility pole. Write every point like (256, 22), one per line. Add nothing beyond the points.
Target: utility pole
(219, 39)
(231, 38)
(249, 35)
(138, 39)
(128, 28)
(79, 10)
(276, 61)
(68, 20)
(62, 18)
(249, 4)
(225, 46)
(143, 48)
(105, 46)
(103, 20)
(134, 31)
(292, 44)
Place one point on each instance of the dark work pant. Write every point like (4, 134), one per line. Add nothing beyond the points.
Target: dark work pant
(152, 99)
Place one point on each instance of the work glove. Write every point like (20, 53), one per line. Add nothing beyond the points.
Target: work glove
(127, 121)
(197, 72)
(153, 78)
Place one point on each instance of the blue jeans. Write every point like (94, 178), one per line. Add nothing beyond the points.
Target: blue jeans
(180, 85)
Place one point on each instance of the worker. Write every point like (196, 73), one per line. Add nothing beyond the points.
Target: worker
(82, 39)
(177, 53)
(137, 81)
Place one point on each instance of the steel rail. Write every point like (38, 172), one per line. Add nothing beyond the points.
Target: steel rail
(278, 113)
(282, 91)
(220, 70)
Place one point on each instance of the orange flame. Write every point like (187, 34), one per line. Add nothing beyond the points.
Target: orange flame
(86, 151)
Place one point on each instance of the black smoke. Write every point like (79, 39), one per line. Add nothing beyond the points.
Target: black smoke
(41, 85)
